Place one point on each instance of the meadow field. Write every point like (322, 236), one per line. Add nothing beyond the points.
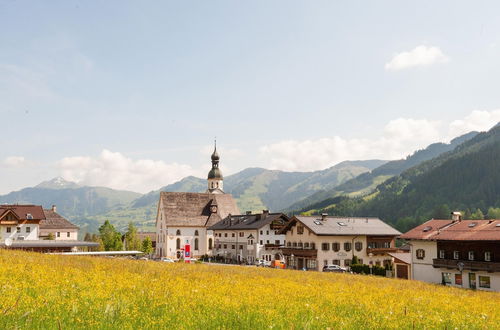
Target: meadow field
(62, 292)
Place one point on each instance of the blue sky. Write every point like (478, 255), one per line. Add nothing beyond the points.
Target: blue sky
(130, 94)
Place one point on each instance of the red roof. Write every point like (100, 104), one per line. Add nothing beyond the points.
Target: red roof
(449, 230)
(22, 211)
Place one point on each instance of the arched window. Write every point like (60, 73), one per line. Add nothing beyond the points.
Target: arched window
(210, 244)
(178, 244)
(196, 233)
(178, 232)
(196, 244)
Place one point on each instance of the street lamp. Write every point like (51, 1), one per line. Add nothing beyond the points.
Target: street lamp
(293, 261)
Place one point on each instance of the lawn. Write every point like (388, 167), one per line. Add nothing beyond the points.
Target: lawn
(58, 292)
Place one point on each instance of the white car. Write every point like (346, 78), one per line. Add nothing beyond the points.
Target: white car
(334, 269)
(167, 260)
(262, 263)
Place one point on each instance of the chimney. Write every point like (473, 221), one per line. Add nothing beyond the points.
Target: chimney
(265, 213)
(456, 216)
(54, 208)
(249, 212)
(323, 216)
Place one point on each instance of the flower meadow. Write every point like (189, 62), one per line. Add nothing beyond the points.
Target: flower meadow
(58, 292)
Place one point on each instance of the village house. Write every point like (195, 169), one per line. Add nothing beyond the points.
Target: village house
(20, 222)
(250, 237)
(183, 219)
(27, 227)
(313, 242)
(462, 253)
(57, 226)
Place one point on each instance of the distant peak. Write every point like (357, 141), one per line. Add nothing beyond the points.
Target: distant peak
(57, 183)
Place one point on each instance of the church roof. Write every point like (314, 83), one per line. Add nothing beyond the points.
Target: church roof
(193, 209)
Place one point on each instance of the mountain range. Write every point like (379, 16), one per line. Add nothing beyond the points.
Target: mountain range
(255, 189)
(463, 175)
(466, 178)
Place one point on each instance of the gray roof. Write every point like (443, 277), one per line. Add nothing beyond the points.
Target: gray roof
(249, 221)
(193, 209)
(347, 226)
(55, 221)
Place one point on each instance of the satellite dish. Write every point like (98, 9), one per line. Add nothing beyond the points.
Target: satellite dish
(8, 241)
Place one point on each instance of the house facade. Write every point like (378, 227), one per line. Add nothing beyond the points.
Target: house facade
(57, 226)
(313, 242)
(27, 227)
(20, 222)
(250, 237)
(184, 218)
(461, 253)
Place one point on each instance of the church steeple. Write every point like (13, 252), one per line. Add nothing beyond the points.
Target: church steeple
(215, 179)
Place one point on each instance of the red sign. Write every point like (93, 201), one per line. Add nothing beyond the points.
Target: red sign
(187, 252)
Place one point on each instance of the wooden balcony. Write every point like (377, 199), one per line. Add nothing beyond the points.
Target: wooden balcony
(475, 266)
(273, 246)
(298, 252)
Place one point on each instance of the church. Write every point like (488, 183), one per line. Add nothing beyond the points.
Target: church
(183, 218)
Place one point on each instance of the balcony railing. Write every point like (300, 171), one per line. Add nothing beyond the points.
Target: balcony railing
(271, 246)
(468, 265)
(299, 252)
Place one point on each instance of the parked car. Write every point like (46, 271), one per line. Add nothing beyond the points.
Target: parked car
(167, 260)
(334, 269)
(262, 263)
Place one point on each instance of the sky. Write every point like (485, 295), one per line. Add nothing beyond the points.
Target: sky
(131, 94)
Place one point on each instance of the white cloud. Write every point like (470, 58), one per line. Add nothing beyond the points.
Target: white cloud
(114, 170)
(400, 137)
(14, 161)
(477, 120)
(420, 56)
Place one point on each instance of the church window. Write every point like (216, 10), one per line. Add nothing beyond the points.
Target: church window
(195, 233)
(178, 244)
(178, 232)
(196, 244)
(210, 244)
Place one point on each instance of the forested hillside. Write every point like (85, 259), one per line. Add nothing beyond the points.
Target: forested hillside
(466, 179)
(365, 183)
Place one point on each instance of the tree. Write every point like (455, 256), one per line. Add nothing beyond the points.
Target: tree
(132, 242)
(111, 238)
(51, 236)
(441, 212)
(493, 213)
(478, 215)
(88, 237)
(355, 260)
(147, 246)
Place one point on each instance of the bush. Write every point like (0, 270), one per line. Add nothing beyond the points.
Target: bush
(365, 269)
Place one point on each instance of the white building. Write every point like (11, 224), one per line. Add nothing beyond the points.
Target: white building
(249, 237)
(317, 241)
(184, 218)
(20, 222)
(461, 253)
(57, 226)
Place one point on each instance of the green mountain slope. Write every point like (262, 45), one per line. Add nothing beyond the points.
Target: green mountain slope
(367, 182)
(254, 189)
(467, 177)
(257, 188)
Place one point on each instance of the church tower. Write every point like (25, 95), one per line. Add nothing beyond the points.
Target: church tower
(215, 179)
